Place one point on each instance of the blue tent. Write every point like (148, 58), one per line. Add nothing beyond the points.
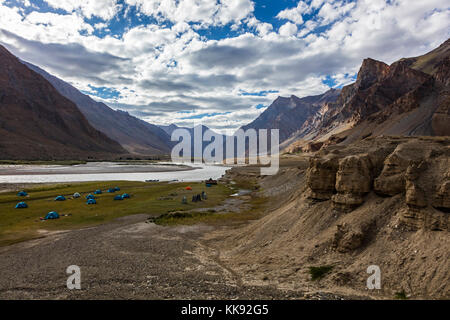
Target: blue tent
(21, 205)
(119, 197)
(98, 192)
(91, 201)
(126, 196)
(90, 196)
(22, 194)
(112, 190)
(208, 185)
(52, 215)
(60, 198)
(116, 189)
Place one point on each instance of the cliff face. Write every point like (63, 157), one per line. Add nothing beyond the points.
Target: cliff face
(380, 201)
(380, 92)
(417, 169)
(39, 123)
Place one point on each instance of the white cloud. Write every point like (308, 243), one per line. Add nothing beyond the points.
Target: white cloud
(204, 12)
(288, 29)
(64, 25)
(332, 11)
(295, 14)
(233, 10)
(201, 11)
(100, 26)
(162, 69)
(105, 9)
(262, 28)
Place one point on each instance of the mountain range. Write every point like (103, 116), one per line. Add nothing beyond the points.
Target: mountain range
(410, 97)
(37, 122)
(289, 114)
(44, 117)
(135, 135)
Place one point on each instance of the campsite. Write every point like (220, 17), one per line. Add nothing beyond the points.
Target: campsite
(138, 197)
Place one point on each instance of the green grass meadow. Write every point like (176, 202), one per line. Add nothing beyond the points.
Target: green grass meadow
(146, 198)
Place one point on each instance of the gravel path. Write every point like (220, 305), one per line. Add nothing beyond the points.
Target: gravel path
(125, 259)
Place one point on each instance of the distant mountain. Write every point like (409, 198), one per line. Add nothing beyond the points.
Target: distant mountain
(172, 127)
(289, 114)
(37, 122)
(135, 135)
(169, 129)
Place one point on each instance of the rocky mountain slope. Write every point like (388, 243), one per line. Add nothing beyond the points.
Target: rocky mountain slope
(410, 97)
(289, 114)
(37, 122)
(381, 201)
(135, 135)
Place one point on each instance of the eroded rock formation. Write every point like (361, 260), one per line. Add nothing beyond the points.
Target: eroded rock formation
(322, 177)
(410, 167)
(353, 181)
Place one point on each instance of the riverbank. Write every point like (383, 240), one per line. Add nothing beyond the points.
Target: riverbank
(109, 171)
(91, 168)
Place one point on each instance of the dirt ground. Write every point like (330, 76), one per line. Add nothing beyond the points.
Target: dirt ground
(127, 259)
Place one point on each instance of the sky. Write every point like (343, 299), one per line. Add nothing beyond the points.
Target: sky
(216, 62)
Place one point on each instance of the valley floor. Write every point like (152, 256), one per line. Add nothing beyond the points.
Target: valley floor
(130, 258)
(127, 259)
(260, 245)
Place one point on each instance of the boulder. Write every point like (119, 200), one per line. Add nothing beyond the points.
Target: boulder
(347, 239)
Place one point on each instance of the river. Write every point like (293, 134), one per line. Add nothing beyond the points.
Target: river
(109, 171)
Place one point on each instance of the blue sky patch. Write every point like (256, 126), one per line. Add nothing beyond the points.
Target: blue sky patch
(103, 92)
(205, 115)
(258, 94)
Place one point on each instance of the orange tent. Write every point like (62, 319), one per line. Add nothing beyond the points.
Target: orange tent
(188, 188)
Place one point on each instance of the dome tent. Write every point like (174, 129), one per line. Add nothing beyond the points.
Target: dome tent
(76, 195)
(22, 194)
(119, 197)
(98, 191)
(52, 215)
(90, 196)
(60, 198)
(126, 196)
(91, 201)
(112, 190)
(116, 189)
(21, 205)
